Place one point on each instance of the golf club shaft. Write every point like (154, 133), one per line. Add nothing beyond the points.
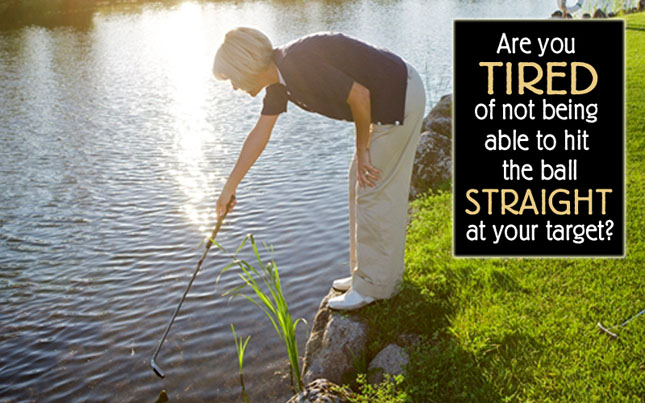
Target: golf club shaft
(632, 318)
(210, 241)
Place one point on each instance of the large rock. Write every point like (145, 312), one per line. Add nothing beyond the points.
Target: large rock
(391, 360)
(439, 119)
(432, 163)
(321, 391)
(336, 338)
(433, 159)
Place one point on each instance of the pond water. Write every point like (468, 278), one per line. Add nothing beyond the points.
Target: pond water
(114, 143)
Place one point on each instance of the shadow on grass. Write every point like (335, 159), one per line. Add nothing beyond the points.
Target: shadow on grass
(492, 275)
(441, 368)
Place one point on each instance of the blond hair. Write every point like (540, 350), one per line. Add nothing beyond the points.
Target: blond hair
(245, 53)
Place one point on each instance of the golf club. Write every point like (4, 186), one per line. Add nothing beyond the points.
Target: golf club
(220, 220)
(612, 334)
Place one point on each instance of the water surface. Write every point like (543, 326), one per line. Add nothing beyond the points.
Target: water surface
(114, 144)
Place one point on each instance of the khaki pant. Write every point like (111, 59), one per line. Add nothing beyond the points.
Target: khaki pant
(378, 215)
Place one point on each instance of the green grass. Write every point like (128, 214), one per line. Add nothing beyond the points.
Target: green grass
(525, 329)
(389, 390)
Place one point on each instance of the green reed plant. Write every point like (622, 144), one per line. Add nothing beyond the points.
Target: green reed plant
(240, 346)
(265, 283)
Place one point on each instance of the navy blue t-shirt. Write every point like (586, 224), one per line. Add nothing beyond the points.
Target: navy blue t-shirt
(319, 71)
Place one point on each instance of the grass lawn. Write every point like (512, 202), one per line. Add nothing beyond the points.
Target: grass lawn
(525, 329)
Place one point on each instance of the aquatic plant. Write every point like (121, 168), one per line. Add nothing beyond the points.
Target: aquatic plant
(240, 346)
(268, 296)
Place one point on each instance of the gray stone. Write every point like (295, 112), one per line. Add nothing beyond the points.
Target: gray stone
(433, 159)
(442, 126)
(321, 391)
(432, 163)
(391, 360)
(440, 117)
(336, 338)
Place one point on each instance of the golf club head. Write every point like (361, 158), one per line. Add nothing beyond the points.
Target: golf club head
(607, 331)
(157, 368)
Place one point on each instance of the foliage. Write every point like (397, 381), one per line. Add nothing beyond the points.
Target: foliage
(267, 289)
(390, 390)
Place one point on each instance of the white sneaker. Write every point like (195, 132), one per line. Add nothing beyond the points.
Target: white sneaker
(349, 301)
(342, 284)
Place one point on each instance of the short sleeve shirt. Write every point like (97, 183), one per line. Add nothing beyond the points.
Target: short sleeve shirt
(319, 70)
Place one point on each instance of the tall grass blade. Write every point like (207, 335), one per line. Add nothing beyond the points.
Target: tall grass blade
(240, 346)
